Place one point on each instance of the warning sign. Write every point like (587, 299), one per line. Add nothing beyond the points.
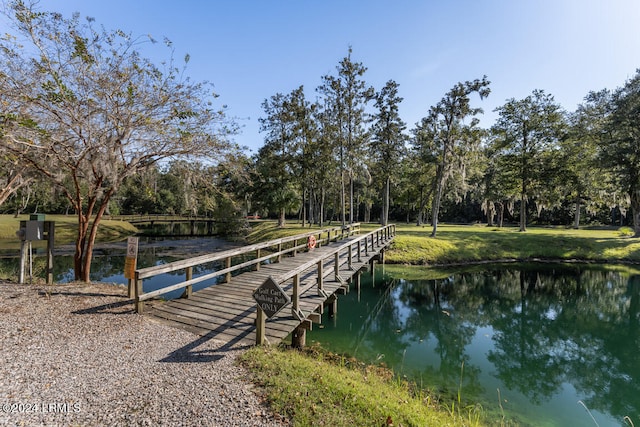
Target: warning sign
(130, 260)
(129, 268)
(271, 298)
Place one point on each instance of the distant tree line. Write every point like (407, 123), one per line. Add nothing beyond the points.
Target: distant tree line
(89, 127)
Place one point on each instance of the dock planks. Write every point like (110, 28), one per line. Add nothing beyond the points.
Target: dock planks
(227, 311)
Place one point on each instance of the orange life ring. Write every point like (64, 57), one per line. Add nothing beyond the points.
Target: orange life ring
(311, 242)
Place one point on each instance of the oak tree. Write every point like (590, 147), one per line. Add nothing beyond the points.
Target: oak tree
(103, 111)
(524, 130)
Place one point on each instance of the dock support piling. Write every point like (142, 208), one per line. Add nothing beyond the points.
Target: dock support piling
(227, 264)
(138, 292)
(188, 290)
(299, 337)
(332, 304)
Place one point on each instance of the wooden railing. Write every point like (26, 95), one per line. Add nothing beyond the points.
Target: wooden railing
(156, 217)
(276, 249)
(354, 250)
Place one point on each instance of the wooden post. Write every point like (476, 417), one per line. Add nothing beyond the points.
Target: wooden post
(257, 257)
(299, 337)
(359, 250)
(332, 303)
(188, 290)
(295, 298)
(49, 227)
(279, 252)
(320, 278)
(295, 247)
(357, 280)
(24, 253)
(349, 255)
(227, 263)
(336, 271)
(138, 292)
(260, 326)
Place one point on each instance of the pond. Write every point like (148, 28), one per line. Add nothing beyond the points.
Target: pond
(538, 344)
(109, 258)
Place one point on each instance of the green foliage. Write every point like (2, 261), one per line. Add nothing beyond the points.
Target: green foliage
(94, 95)
(444, 136)
(525, 132)
(620, 147)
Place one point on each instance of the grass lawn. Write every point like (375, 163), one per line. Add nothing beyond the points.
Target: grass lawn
(318, 388)
(456, 244)
(66, 229)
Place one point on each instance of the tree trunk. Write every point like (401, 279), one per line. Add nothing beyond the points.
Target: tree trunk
(385, 204)
(343, 200)
(523, 212)
(304, 206)
(635, 212)
(281, 218)
(78, 255)
(422, 204)
(491, 209)
(351, 198)
(321, 209)
(576, 220)
(436, 200)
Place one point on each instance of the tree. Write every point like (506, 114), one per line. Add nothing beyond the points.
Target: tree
(525, 129)
(582, 176)
(324, 169)
(447, 134)
(102, 111)
(620, 146)
(276, 157)
(346, 96)
(388, 142)
(14, 126)
(499, 185)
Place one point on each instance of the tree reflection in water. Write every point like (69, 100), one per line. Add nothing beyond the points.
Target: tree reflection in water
(545, 331)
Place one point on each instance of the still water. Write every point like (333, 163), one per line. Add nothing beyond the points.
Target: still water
(108, 261)
(541, 345)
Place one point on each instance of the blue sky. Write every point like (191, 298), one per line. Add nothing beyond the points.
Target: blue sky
(251, 50)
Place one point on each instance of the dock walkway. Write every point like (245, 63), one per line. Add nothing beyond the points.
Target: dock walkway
(229, 312)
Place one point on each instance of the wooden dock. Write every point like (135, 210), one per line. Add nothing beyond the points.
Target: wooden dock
(228, 311)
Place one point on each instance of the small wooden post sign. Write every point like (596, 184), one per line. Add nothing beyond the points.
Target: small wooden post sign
(130, 262)
(270, 297)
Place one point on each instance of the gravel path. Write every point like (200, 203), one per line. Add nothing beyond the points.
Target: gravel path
(76, 354)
